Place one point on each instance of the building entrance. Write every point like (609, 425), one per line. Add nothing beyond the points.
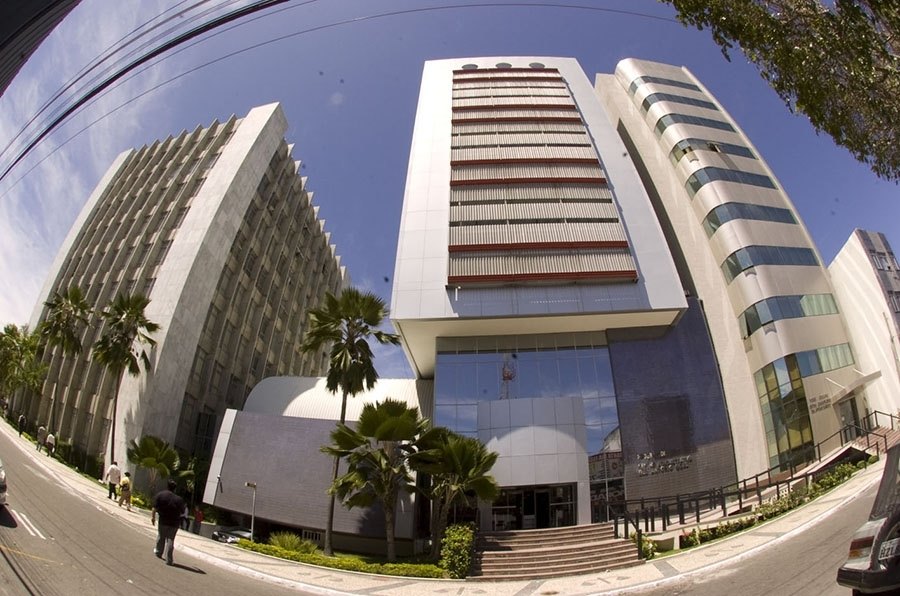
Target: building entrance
(531, 507)
(849, 415)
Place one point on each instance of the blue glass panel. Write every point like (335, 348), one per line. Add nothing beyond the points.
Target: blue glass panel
(445, 416)
(593, 414)
(587, 374)
(467, 418)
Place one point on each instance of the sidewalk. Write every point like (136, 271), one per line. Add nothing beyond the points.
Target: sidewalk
(317, 580)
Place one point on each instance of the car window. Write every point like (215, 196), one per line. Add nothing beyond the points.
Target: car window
(888, 496)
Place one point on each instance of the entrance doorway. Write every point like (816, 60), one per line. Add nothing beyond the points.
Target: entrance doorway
(849, 418)
(532, 507)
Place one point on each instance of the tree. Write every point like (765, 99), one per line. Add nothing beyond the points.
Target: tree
(20, 367)
(377, 452)
(460, 469)
(126, 324)
(66, 314)
(154, 455)
(344, 325)
(193, 474)
(839, 64)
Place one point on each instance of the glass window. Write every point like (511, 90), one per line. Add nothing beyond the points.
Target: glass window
(778, 308)
(669, 119)
(671, 97)
(750, 256)
(660, 81)
(710, 174)
(686, 146)
(731, 211)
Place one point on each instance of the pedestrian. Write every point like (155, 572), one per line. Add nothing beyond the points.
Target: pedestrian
(169, 506)
(186, 518)
(125, 491)
(41, 437)
(198, 519)
(51, 444)
(113, 477)
(22, 422)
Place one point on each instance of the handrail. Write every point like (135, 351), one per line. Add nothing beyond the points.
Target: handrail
(715, 498)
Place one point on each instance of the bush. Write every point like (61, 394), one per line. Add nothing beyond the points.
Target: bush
(873, 459)
(648, 547)
(345, 563)
(292, 542)
(456, 550)
(689, 539)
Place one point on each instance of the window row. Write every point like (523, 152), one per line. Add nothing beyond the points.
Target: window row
(672, 98)
(704, 176)
(894, 301)
(660, 81)
(538, 170)
(520, 101)
(471, 212)
(539, 152)
(511, 92)
(559, 232)
(686, 146)
(505, 128)
(731, 211)
(519, 139)
(537, 265)
(752, 256)
(530, 192)
(517, 113)
(669, 119)
(778, 308)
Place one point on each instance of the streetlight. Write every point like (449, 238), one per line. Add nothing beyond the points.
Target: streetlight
(253, 510)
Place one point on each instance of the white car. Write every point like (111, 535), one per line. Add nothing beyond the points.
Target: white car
(2, 484)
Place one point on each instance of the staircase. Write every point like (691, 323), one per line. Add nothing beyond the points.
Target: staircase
(552, 552)
(892, 436)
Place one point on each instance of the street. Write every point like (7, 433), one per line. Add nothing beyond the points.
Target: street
(55, 541)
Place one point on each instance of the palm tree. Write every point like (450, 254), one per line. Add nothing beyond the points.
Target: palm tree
(66, 313)
(377, 452)
(154, 455)
(20, 367)
(344, 325)
(126, 324)
(459, 467)
(193, 474)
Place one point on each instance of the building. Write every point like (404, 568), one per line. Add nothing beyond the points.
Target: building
(217, 228)
(866, 280)
(607, 286)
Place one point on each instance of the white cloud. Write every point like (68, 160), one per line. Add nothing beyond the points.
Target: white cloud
(336, 99)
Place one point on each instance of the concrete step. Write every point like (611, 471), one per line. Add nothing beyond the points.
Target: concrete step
(529, 559)
(562, 552)
(556, 570)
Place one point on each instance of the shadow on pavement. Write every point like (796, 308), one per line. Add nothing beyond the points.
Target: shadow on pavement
(188, 568)
(6, 518)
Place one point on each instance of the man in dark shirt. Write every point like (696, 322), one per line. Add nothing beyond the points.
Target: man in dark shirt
(169, 507)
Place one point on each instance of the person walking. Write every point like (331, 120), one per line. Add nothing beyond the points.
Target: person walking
(113, 477)
(41, 437)
(125, 491)
(169, 506)
(51, 444)
(198, 519)
(22, 423)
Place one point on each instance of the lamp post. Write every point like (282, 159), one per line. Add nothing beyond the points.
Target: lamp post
(253, 510)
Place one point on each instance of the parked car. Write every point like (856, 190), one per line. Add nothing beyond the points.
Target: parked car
(2, 484)
(231, 535)
(873, 564)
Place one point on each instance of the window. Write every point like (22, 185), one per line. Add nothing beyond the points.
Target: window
(712, 174)
(669, 119)
(778, 308)
(670, 97)
(751, 256)
(660, 81)
(730, 211)
(686, 146)
(894, 300)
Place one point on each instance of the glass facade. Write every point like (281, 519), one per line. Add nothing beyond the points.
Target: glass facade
(669, 119)
(782, 400)
(686, 146)
(778, 308)
(670, 97)
(702, 177)
(751, 256)
(660, 81)
(730, 211)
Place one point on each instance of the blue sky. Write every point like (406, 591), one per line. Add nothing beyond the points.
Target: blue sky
(348, 77)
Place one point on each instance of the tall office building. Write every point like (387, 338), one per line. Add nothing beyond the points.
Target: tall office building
(608, 287)
(217, 228)
(866, 278)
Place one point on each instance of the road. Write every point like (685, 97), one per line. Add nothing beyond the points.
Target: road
(804, 565)
(55, 541)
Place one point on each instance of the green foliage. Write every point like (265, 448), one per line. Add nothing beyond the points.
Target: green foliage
(689, 539)
(836, 62)
(292, 542)
(20, 365)
(648, 547)
(873, 459)
(154, 455)
(456, 550)
(377, 454)
(346, 563)
(459, 468)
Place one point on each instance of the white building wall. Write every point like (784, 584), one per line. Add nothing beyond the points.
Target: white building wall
(870, 319)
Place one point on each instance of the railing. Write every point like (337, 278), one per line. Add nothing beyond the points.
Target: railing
(772, 483)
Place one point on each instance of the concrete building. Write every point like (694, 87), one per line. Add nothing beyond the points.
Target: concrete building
(607, 286)
(217, 228)
(866, 280)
